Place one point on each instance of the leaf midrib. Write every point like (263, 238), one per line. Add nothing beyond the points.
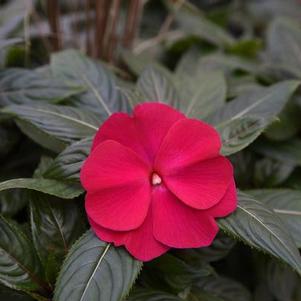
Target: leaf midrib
(268, 229)
(95, 270)
(66, 117)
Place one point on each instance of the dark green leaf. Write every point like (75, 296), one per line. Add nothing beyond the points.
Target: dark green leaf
(63, 123)
(66, 166)
(288, 124)
(193, 22)
(269, 172)
(227, 64)
(20, 267)
(202, 93)
(179, 274)
(21, 86)
(55, 225)
(101, 96)
(288, 152)
(286, 203)
(219, 249)
(52, 187)
(257, 225)
(284, 46)
(239, 133)
(155, 84)
(151, 295)
(7, 294)
(224, 288)
(264, 103)
(95, 270)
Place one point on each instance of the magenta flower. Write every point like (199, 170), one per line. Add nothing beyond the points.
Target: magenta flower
(156, 180)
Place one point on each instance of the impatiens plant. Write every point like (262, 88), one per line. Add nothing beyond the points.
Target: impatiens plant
(156, 181)
(172, 174)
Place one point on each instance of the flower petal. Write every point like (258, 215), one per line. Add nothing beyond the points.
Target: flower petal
(139, 242)
(112, 164)
(227, 205)
(153, 121)
(120, 127)
(201, 185)
(187, 142)
(120, 208)
(178, 225)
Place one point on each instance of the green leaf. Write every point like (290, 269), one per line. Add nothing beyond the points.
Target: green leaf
(11, 202)
(7, 294)
(269, 172)
(239, 133)
(155, 84)
(258, 226)
(224, 288)
(152, 295)
(286, 203)
(287, 152)
(177, 273)
(21, 86)
(193, 22)
(219, 249)
(102, 95)
(227, 64)
(284, 46)
(242, 120)
(95, 270)
(281, 281)
(52, 187)
(55, 225)
(264, 103)
(66, 166)
(288, 124)
(20, 267)
(63, 123)
(202, 93)
(197, 294)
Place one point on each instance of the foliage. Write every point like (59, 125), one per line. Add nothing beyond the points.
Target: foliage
(234, 64)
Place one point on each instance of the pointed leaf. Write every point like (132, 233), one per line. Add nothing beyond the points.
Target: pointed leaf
(152, 295)
(21, 86)
(52, 187)
(102, 95)
(67, 165)
(257, 225)
(203, 93)
(95, 270)
(63, 123)
(20, 267)
(286, 203)
(155, 84)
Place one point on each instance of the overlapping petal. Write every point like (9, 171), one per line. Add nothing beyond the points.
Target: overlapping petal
(187, 142)
(140, 242)
(227, 204)
(154, 121)
(121, 128)
(201, 185)
(178, 225)
(111, 164)
(120, 208)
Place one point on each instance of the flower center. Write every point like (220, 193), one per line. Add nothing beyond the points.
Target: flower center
(156, 179)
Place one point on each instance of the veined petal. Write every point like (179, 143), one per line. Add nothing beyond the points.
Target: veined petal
(139, 242)
(112, 164)
(187, 142)
(178, 225)
(120, 208)
(201, 185)
(227, 204)
(121, 128)
(153, 120)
